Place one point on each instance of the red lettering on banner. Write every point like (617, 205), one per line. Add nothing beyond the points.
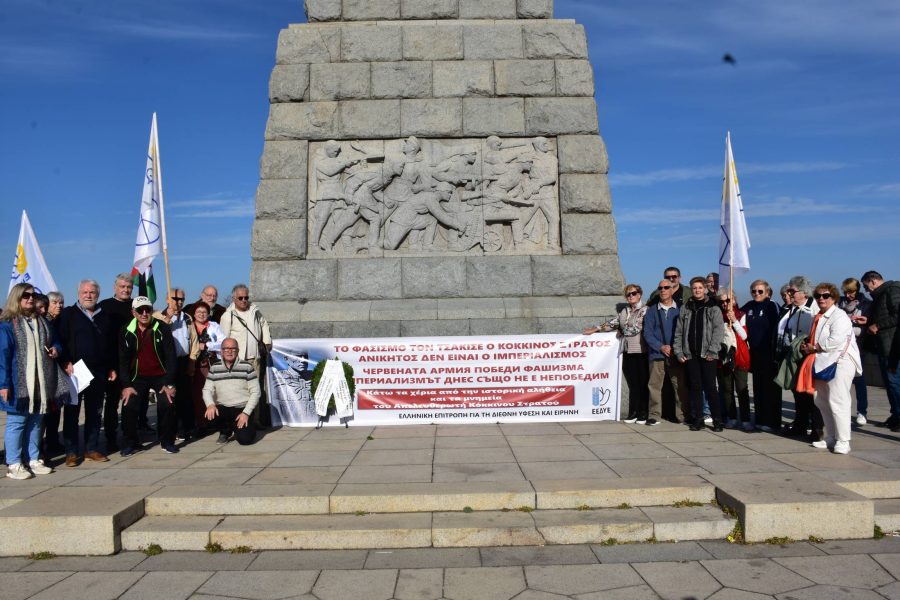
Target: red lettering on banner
(422, 399)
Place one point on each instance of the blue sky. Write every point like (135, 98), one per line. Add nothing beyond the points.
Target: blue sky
(811, 104)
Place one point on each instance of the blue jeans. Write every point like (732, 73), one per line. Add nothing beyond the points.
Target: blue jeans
(862, 395)
(22, 428)
(891, 385)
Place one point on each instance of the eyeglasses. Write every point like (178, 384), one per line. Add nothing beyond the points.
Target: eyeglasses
(724, 301)
(27, 295)
(823, 295)
(664, 287)
(632, 293)
(757, 292)
(242, 298)
(143, 310)
(791, 292)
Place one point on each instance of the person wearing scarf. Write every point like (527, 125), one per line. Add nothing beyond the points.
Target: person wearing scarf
(831, 343)
(30, 380)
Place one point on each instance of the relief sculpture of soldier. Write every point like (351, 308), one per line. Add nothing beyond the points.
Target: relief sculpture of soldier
(329, 167)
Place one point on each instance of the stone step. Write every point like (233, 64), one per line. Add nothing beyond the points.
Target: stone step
(71, 520)
(634, 491)
(795, 505)
(887, 514)
(438, 529)
(304, 499)
(871, 483)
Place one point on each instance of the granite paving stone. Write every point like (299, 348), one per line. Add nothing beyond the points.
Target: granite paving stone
(19, 586)
(829, 592)
(891, 590)
(419, 584)
(312, 459)
(478, 472)
(419, 456)
(755, 575)
(508, 556)
(854, 570)
(823, 461)
(870, 546)
(169, 585)
(550, 439)
(633, 451)
(124, 561)
(197, 561)
(497, 583)
(641, 553)
(201, 476)
(890, 562)
(580, 469)
(90, 586)
(678, 580)
(295, 475)
(755, 463)
(387, 474)
(328, 445)
(119, 477)
(474, 441)
(362, 585)
(260, 585)
(557, 453)
(733, 594)
(444, 456)
(727, 550)
(573, 580)
(651, 467)
(692, 449)
(637, 592)
(308, 560)
(423, 558)
(9, 564)
(223, 460)
(603, 439)
(399, 443)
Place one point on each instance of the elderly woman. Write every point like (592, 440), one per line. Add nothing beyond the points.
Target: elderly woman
(761, 315)
(629, 325)
(56, 303)
(732, 378)
(856, 306)
(52, 446)
(29, 380)
(831, 347)
(796, 324)
(209, 338)
(698, 338)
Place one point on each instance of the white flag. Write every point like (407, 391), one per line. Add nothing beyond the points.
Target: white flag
(29, 266)
(734, 247)
(150, 231)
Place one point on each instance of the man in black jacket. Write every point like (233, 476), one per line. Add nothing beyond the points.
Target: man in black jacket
(86, 333)
(882, 324)
(147, 362)
(118, 309)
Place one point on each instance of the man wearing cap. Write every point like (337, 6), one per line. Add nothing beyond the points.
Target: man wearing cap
(147, 362)
(230, 393)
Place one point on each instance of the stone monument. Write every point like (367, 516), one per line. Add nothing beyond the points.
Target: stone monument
(433, 167)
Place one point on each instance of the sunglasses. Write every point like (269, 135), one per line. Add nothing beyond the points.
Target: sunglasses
(27, 295)
(664, 287)
(792, 292)
(143, 310)
(178, 298)
(757, 292)
(824, 295)
(724, 301)
(672, 277)
(632, 293)
(242, 298)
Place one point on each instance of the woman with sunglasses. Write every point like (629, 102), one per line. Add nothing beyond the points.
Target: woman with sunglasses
(761, 315)
(856, 306)
(628, 325)
(831, 345)
(30, 381)
(732, 378)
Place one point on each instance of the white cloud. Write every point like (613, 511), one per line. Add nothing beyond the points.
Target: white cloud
(784, 206)
(713, 171)
(215, 206)
(890, 190)
(172, 32)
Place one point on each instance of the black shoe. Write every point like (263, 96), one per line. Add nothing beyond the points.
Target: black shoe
(717, 427)
(127, 451)
(170, 449)
(223, 439)
(146, 427)
(111, 447)
(651, 422)
(697, 426)
(892, 421)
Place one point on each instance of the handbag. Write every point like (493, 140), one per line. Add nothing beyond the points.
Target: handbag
(741, 355)
(828, 373)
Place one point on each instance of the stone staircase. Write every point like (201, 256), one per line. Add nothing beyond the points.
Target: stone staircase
(275, 517)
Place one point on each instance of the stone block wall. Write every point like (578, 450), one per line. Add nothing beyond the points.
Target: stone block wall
(444, 70)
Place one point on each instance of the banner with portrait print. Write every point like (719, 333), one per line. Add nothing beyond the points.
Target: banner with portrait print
(476, 379)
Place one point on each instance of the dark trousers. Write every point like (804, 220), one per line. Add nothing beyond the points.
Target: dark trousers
(636, 369)
(111, 412)
(766, 393)
(701, 378)
(226, 425)
(184, 396)
(51, 429)
(262, 414)
(807, 416)
(92, 400)
(165, 413)
(734, 383)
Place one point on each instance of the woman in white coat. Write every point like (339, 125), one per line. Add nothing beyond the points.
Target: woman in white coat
(833, 343)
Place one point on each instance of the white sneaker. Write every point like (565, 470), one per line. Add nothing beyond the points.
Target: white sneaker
(707, 420)
(842, 448)
(641, 421)
(821, 444)
(861, 419)
(17, 471)
(39, 468)
(631, 420)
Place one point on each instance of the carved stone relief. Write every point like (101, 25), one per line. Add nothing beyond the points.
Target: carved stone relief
(433, 197)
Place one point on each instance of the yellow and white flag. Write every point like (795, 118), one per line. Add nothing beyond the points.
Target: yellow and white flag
(29, 266)
(734, 244)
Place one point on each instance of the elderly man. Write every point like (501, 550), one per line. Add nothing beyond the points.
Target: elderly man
(659, 334)
(882, 325)
(680, 293)
(231, 393)
(147, 362)
(243, 322)
(209, 296)
(187, 349)
(86, 333)
(118, 309)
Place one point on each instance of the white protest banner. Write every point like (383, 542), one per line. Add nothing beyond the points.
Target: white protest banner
(486, 379)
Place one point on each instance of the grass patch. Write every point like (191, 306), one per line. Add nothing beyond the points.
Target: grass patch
(737, 534)
(609, 542)
(370, 437)
(241, 550)
(152, 550)
(779, 541)
(360, 513)
(651, 540)
(728, 511)
(45, 555)
(468, 509)
(624, 505)
(583, 507)
(525, 509)
(815, 539)
(878, 534)
(214, 547)
(686, 503)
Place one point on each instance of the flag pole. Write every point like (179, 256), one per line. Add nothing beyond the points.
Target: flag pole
(162, 211)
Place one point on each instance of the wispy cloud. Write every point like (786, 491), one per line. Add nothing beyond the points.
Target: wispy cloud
(216, 206)
(710, 171)
(885, 190)
(172, 32)
(785, 206)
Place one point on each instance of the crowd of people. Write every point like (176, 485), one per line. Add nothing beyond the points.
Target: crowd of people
(693, 349)
(202, 364)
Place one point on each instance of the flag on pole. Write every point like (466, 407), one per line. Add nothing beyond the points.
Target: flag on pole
(734, 244)
(150, 231)
(29, 266)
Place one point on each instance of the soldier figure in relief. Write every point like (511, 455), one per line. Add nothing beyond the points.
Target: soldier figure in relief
(329, 167)
(539, 189)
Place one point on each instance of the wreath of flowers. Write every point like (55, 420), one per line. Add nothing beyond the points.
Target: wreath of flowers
(317, 376)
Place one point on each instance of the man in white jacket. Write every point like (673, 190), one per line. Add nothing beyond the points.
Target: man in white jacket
(231, 393)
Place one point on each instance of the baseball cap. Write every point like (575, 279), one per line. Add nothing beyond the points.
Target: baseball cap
(141, 301)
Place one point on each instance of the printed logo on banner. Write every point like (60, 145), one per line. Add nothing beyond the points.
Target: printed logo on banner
(600, 396)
